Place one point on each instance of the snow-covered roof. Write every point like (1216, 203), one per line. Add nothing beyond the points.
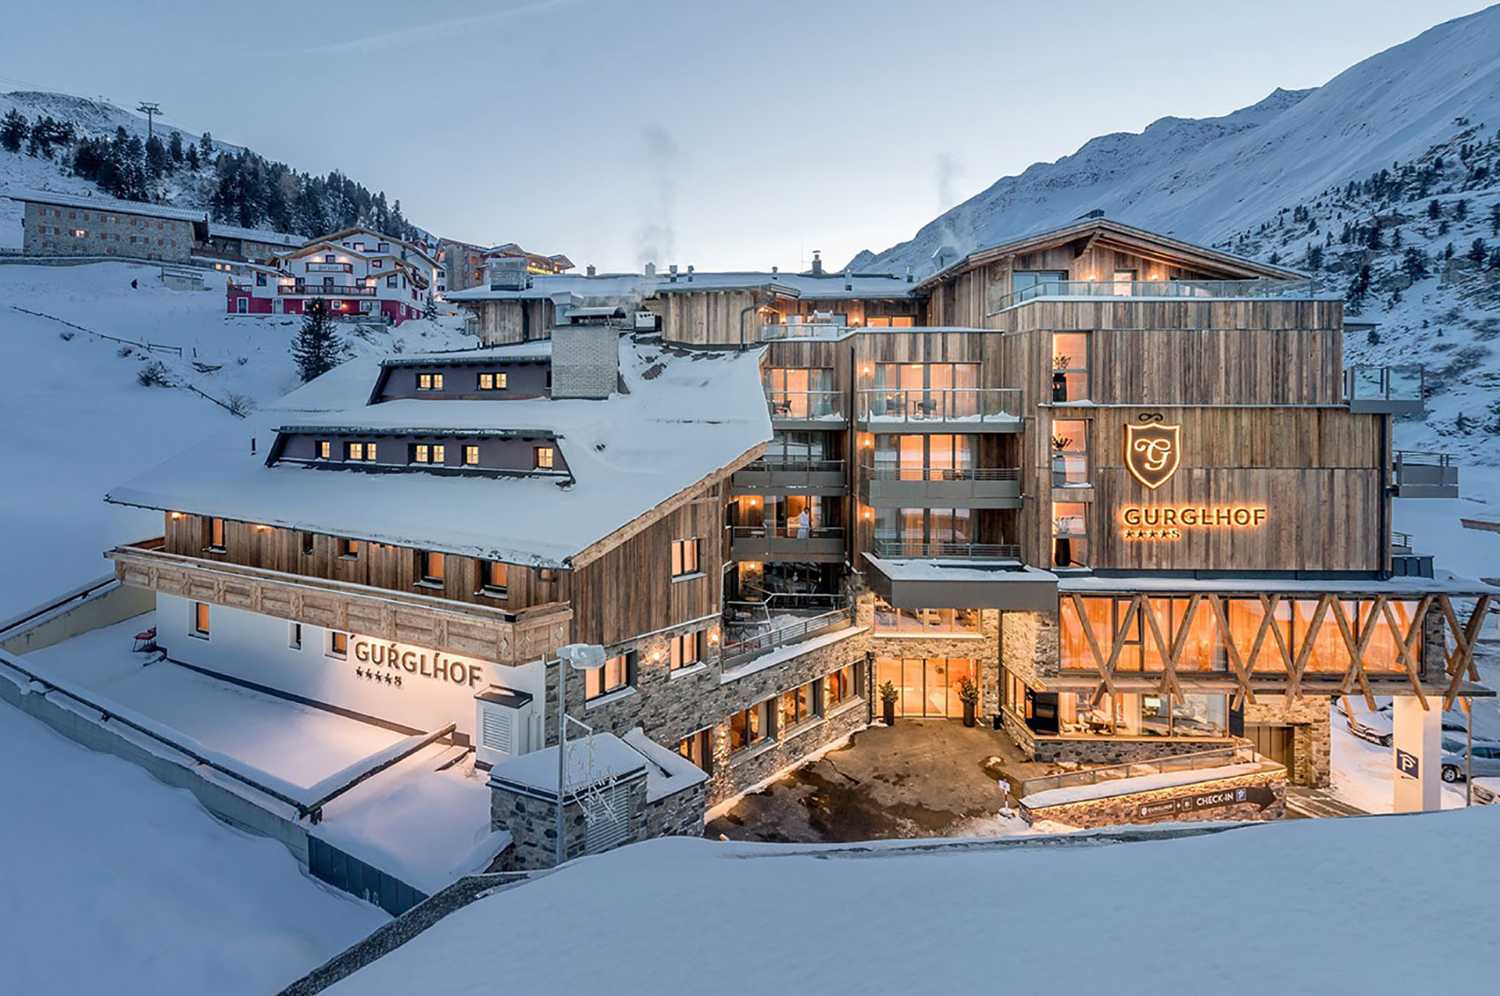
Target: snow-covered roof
(590, 760)
(685, 417)
(102, 203)
(667, 772)
(255, 234)
(536, 349)
(636, 286)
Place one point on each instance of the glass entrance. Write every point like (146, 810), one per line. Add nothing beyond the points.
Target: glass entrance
(926, 686)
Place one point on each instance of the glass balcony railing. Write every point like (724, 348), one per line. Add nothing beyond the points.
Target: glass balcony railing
(803, 330)
(897, 548)
(1205, 289)
(1395, 390)
(956, 404)
(811, 406)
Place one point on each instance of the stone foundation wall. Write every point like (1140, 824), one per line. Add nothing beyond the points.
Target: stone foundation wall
(734, 774)
(532, 823)
(1311, 733)
(1103, 750)
(1163, 804)
(1028, 645)
(679, 814)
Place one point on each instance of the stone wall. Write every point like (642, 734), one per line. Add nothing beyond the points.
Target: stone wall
(1171, 805)
(1311, 733)
(983, 647)
(50, 231)
(531, 819)
(1028, 645)
(679, 814)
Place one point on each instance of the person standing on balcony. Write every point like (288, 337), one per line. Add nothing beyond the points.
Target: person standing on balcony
(804, 524)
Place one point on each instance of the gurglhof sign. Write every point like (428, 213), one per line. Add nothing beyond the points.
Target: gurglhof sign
(1153, 452)
(396, 664)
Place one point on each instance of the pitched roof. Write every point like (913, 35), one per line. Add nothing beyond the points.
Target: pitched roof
(102, 203)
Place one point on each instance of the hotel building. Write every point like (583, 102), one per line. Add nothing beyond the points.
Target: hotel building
(1120, 486)
(355, 272)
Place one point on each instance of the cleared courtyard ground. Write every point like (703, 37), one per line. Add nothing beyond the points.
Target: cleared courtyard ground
(919, 778)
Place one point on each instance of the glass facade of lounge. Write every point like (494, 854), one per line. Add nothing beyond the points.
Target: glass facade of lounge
(1128, 714)
(926, 686)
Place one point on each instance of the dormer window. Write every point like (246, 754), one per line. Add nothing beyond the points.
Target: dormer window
(433, 567)
(428, 453)
(429, 382)
(382, 247)
(545, 457)
(360, 452)
(496, 576)
(497, 381)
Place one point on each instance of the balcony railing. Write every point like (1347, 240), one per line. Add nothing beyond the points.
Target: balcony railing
(1400, 542)
(803, 330)
(326, 290)
(1205, 760)
(1201, 289)
(1424, 474)
(795, 475)
(901, 549)
(917, 487)
(755, 628)
(330, 268)
(815, 544)
(979, 405)
(807, 406)
(1392, 390)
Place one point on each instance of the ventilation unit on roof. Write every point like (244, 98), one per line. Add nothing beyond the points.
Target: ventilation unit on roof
(502, 725)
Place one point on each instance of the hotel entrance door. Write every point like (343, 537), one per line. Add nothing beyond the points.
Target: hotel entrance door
(926, 686)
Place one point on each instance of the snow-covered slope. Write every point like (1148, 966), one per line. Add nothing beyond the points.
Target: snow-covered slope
(78, 420)
(1203, 179)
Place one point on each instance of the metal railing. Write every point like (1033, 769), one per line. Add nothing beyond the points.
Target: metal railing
(792, 473)
(1202, 289)
(1400, 542)
(812, 405)
(1397, 389)
(803, 330)
(1423, 458)
(891, 472)
(326, 290)
(791, 531)
(330, 268)
(755, 628)
(1219, 757)
(967, 404)
(900, 549)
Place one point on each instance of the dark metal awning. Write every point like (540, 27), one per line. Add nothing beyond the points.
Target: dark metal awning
(962, 584)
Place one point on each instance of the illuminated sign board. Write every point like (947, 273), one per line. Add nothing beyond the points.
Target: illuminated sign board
(1153, 452)
(395, 664)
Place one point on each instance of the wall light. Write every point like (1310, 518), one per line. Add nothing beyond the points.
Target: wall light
(176, 515)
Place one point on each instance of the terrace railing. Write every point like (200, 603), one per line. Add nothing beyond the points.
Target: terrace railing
(901, 549)
(889, 472)
(807, 405)
(946, 404)
(803, 330)
(327, 290)
(1397, 390)
(756, 628)
(1202, 289)
(1204, 759)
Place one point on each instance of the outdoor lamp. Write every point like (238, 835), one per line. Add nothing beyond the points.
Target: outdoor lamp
(581, 657)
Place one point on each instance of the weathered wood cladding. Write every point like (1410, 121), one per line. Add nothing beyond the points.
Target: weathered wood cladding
(1319, 472)
(502, 322)
(377, 565)
(734, 317)
(629, 591)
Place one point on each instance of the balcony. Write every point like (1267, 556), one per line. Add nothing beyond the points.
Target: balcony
(902, 549)
(1263, 289)
(781, 477)
(478, 631)
(326, 290)
(820, 545)
(807, 409)
(752, 629)
(1385, 390)
(1419, 474)
(953, 409)
(803, 330)
(935, 487)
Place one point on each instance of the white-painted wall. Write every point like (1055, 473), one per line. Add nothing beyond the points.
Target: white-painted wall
(256, 648)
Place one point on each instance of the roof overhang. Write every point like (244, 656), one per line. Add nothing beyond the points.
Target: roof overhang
(962, 584)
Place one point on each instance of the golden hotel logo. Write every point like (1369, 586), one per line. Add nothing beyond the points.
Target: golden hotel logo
(1153, 451)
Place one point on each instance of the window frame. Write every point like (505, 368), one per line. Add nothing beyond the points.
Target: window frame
(679, 647)
(687, 558)
(471, 455)
(201, 624)
(432, 569)
(538, 462)
(486, 580)
(595, 679)
(499, 380)
(331, 645)
(218, 531)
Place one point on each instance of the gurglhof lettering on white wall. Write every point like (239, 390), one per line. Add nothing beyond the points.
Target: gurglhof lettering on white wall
(394, 660)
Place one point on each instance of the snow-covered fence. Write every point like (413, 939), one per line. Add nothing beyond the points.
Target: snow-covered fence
(150, 347)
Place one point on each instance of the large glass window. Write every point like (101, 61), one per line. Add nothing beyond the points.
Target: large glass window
(1070, 538)
(917, 457)
(752, 726)
(909, 530)
(801, 704)
(1070, 452)
(800, 446)
(800, 392)
(1026, 284)
(889, 619)
(838, 687)
(1070, 366)
(617, 673)
(698, 748)
(916, 390)
(926, 686)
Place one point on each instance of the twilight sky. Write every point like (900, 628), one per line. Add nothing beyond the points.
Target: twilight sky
(723, 134)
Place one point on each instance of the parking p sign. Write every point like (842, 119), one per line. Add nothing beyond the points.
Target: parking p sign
(1406, 764)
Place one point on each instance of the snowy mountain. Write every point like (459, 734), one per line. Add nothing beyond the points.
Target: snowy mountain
(1203, 179)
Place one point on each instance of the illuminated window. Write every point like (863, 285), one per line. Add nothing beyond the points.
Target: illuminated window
(439, 453)
(429, 382)
(544, 457)
(496, 578)
(360, 452)
(427, 453)
(216, 534)
(348, 548)
(1070, 453)
(684, 557)
(433, 564)
(889, 619)
(325, 449)
(200, 619)
(698, 748)
(471, 456)
(1070, 542)
(617, 673)
(752, 726)
(838, 686)
(493, 381)
(686, 650)
(802, 704)
(1070, 366)
(338, 644)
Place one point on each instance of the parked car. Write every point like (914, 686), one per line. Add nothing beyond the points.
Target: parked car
(1486, 760)
(1378, 727)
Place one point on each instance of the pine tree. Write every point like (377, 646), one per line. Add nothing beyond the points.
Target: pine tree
(1494, 219)
(1461, 209)
(1314, 260)
(317, 348)
(1448, 251)
(430, 311)
(1434, 209)
(1478, 251)
(1414, 263)
(206, 148)
(193, 162)
(14, 129)
(1494, 263)
(1359, 287)
(174, 147)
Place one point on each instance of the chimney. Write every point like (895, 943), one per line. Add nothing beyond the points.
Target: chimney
(817, 266)
(848, 280)
(650, 269)
(909, 277)
(585, 361)
(672, 270)
(690, 273)
(774, 270)
(589, 271)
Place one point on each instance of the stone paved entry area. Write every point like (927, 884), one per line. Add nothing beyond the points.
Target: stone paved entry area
(920, 778)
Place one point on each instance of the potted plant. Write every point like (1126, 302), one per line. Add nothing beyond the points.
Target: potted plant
(888, 696)
(1060, 377)
(1060, 462)
(968, 694)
